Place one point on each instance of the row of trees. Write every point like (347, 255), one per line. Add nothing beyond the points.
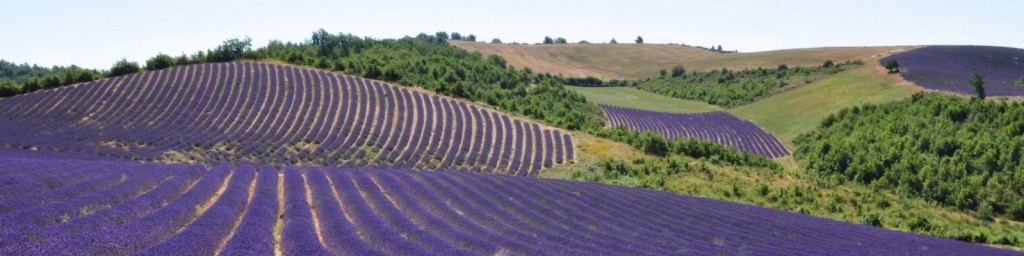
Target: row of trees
(456, 36)
(963, 153)
(725, 87)
(23, 78)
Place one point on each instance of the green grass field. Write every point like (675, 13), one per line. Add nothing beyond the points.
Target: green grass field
(786, 114)
(801, 109)
(629, 97)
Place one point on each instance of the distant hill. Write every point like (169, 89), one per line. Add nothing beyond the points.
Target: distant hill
(632, 61)
(947, 68)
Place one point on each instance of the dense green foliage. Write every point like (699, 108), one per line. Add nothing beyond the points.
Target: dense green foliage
(160, 61)
(24, 78)
(641, 174)
(963, 153)
(429, 61)
(892, 65)
(729, 88)
(978, 83)
(656, 144)
(124, 67)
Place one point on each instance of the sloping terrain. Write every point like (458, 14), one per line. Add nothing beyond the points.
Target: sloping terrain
(631, 61)
(246, 210)
(717, 127)
(947, 68)
(284, 115)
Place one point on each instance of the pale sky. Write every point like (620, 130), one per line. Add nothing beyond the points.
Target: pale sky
(94, 34)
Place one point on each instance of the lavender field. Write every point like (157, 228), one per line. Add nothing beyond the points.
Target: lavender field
(717, 127)
(947, 68)
(266, 113)
(65, 204)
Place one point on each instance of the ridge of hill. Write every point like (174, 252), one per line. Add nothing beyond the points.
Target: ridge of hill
(636, 61)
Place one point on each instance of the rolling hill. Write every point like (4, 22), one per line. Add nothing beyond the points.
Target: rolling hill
(279, 114)
(631, 61)
(247, 209)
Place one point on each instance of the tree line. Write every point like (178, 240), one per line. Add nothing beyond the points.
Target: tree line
(965, 153)
(425, 60)
(723, 87)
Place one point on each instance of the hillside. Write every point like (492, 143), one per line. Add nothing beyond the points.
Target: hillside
(948, 68)
(631, 61)
(281, 115)
(246, 210)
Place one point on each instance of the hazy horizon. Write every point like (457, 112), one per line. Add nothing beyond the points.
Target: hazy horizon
(95, 35)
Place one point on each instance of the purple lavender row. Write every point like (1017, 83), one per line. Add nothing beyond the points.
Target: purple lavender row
(716, 127)
(396, 221)
(115, 176)
(376, 233)
(299, 236)
(948, 68)
(98, 210)
(340, 237)
(204, 235)
(126, 237)
(255, 234)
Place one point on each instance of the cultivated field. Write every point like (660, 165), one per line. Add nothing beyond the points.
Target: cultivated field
(717, 127)
(124, 207)
(631, 61)
(283, 115)
(947, 68)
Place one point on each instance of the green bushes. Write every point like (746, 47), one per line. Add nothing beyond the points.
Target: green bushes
(968, 154)
(729, 88)
(124, 67)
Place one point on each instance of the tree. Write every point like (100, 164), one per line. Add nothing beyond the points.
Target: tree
(8, 88)
(828, 64)
(548, 40)
(495, 41)
(719, 48)
(160, 61)
(662, 73)
(892, 65)
(232, 49)
(456, 36)
(639, 40)
(584, 42)
(561, 40)
(613, 41)
(124, 67)
(678, 71)
(441, 34)
(979, 84)
(471, 37)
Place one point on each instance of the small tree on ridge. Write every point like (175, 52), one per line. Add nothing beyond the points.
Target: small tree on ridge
(979, 84)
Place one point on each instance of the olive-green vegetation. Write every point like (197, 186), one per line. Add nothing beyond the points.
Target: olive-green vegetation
(791, 189)
(23, 78)
(633, 98)
(800, 110)
(729, 88)
(967, 154)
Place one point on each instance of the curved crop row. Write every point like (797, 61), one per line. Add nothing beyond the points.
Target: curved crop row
(947, 68)
(717, 127)
(266, 113)
(233, 210)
